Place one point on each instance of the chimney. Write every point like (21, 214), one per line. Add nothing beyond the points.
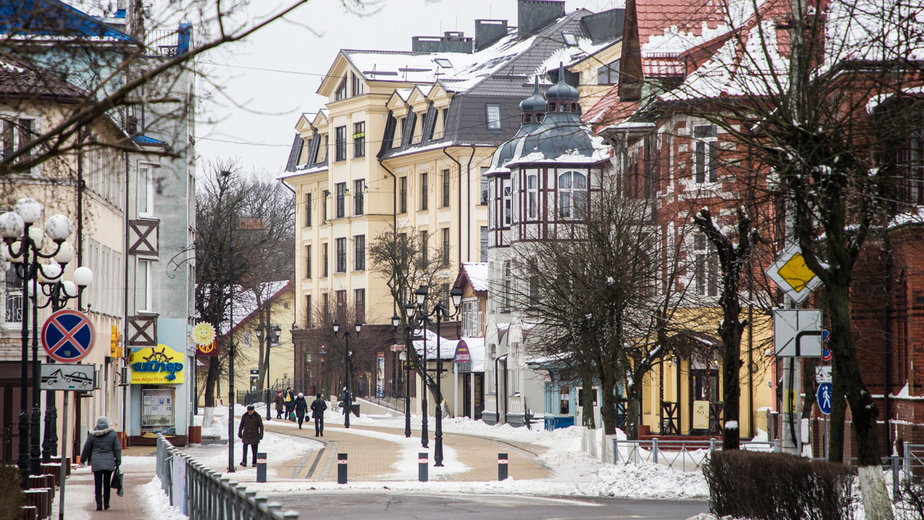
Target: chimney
(450, 41)
(488, 32)
(534, 15)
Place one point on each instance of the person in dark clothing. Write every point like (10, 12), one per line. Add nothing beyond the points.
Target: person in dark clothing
(318, 406)
(301, 406)
(346, 401)
(289, 399)
(280, 404)
(250, 432)
(103, 452)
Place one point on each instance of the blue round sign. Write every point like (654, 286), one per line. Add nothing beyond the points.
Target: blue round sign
(823, 396)
(67, 336)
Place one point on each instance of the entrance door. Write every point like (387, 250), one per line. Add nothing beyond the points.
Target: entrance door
(704, 386)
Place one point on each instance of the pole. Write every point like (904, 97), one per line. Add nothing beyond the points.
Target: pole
(438, 435)
(266, 375)
(423, 423)
(348, 401)
(407, 393)
(23, 459)
(35, 445)
(230, 348)
(63, 459)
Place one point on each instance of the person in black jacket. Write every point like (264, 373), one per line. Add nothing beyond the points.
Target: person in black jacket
(103, 452)
(317, 413)
(300, 408)
(251, 432)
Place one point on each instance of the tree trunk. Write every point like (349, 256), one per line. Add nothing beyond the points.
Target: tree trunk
(210, 381)
(587, 401)
(633, 409)
(730, 331)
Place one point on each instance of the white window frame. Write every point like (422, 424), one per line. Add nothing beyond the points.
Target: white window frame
(471, 318)
(706, 267)
(146, 189)
(705, 154)
(492, 113)
(17, 134)
(532, 196)
(12, 301)
(506, 202)
(143, 282)
(571, 198)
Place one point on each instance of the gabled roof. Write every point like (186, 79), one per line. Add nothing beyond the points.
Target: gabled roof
(245, 304)
(21, 79)
(474, 274)
(53, 19)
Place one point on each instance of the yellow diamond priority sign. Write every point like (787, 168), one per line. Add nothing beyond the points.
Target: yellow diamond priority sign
(790, 274)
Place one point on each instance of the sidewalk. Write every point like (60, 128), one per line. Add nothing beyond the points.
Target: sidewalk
(79, 502)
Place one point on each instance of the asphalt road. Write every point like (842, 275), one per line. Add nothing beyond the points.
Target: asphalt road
(387, 506)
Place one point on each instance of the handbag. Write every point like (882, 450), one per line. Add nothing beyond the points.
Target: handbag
(116, 482)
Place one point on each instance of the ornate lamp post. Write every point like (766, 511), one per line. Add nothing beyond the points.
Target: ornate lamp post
(418, 313)
(16, 227)
(395, 321)
(346, 367)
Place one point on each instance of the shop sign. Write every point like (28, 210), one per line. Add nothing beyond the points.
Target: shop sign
(463, 358)
(157, 365)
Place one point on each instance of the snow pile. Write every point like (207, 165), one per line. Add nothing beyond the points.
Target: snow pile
(157, 503)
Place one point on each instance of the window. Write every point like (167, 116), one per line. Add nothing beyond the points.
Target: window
(485, 186)
(341, 90)
(507, 201)
(706, 269)
(340, 143)
(359, 305)
(423, 191)
(340, 300)
(572, 194)
(308, 210)
(471, 319)
(445, 251)
(357, 85)
(910, 166)
(424, 246)
(308, 311)
(359, 252)
(564, 400)
(12, 300)
(325, 259)
(506, 302)
(608, 74)
(324, 207)
(704, 156)
(359, 188)
(145, 191)
(445, 190)
(308, 262)
(493, 114)
(445, 113)
(143, 286)
(532, 196)
(16, 133)
(569, 38)
(341, 255)
(402, 195)
(325, 304)
(484, 243)
(359, 139)
(340, 209)
(443, 62)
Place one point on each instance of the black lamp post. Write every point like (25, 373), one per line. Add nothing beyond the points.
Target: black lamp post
(16, 226)
(226, 174)
(418, 314)
(272, 339)
(346, 367)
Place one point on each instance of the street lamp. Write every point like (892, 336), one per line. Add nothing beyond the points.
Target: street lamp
(406, 361)
(417, 313)
(226, 174)
(346, 367)
(272, 339)
(16, 227)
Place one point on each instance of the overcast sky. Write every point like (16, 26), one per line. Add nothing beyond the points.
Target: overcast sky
(271, 79)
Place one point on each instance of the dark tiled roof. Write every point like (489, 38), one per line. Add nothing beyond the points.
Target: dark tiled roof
(23, 80)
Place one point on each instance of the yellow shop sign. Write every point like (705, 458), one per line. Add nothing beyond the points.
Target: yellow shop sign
(157, 365)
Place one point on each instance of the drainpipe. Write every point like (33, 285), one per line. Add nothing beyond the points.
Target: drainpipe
(125, 213)
(887, 318)
(394, 214)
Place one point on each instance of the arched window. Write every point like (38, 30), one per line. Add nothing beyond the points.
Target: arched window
(572, 194)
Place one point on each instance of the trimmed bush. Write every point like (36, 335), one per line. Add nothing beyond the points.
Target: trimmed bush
(777, 486)
(11, 496)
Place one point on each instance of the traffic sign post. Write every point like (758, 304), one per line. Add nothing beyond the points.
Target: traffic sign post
(792, 276)
(797, 333)
(67, 336)
(68, 377)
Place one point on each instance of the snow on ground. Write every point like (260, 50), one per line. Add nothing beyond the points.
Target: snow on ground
(157, 502)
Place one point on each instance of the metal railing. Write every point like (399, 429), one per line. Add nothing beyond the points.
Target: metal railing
(206, 495)
(685, 455)
(392, 403)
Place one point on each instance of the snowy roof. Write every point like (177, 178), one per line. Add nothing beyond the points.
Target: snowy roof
(477, 274)
(447, 346)
(245, 301)
(476, 349)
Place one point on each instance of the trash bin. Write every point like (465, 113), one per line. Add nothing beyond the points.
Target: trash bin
(355, 409)
(554, 422)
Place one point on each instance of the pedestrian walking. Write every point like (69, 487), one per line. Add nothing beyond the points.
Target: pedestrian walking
(346, 401)
(103, 452)
(318, 406)
(280, 404)
(250, 431)
(301, 406)
(289, 399)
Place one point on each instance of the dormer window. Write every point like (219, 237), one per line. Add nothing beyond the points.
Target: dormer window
(357, 85)
(493, 114)
(444, 63)
(608, 74)
(569, 38)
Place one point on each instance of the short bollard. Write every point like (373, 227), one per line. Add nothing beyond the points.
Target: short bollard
(501, 466)
(261, 467)
(422, 466)
(341, 468)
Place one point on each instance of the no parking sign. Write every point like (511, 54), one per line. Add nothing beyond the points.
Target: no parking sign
(67, 336)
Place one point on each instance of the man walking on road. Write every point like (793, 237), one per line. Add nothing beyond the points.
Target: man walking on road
(250, 432)
(318, 406)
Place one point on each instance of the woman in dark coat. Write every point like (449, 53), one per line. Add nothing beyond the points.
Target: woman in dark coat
(103, 452)
(301, 406)
(251, 432)
(280, 404)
